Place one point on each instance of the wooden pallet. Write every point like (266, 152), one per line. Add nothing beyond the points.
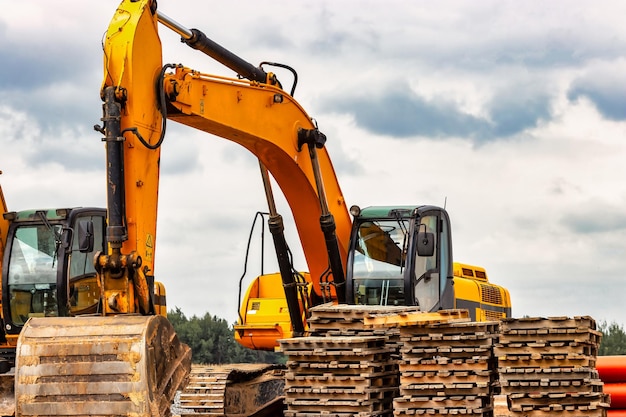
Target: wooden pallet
(349, 318)
(546, 367)
(534, 323)
(447, 388)
(552, 334)
(417, 318)
(551, 380)
(450, 377)
(447, 368)
(408, 405)
(475, 364)
(333, 413)
(339, 375)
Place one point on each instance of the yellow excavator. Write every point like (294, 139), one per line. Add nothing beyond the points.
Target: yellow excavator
(398, 256)
(48, 278)
(123, 358)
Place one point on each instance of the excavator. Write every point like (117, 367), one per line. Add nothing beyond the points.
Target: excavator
(48, 272)
(122, 357)
(398, 256)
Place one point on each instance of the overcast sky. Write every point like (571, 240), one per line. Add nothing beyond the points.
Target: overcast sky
(512, 114)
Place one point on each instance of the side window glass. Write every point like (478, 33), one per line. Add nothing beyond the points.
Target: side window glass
(445, 256)
(426, 288)
(83, 286)
(82, 263)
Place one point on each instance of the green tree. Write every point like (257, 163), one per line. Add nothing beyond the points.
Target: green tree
(613, 339)
(212, 341)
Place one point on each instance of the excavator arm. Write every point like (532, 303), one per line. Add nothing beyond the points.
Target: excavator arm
(133, 134)
(268, 122)
(254, 112)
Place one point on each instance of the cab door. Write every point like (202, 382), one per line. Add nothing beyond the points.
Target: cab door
(431, 280)
(83, 291)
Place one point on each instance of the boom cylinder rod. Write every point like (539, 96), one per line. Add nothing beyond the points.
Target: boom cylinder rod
(276, 226)
(316, 139)
(116, 229)
(174, 25)
(198, 40)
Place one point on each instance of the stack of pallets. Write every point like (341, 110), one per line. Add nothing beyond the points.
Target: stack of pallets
(344, 376)
(368, 320)
(447, 369)
(348, 366)
(349, 320)
(547, 366)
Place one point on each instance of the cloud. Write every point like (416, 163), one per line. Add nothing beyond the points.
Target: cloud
(515, 110)
(32, 63)
(75, 148)
(402, 113)
(605, 89)
(595, 219)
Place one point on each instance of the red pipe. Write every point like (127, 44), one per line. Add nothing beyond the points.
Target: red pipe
(617, 391)
(611, 368)
(612, 372)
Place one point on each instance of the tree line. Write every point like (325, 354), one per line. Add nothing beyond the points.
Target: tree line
(613, 339)
(212, 340)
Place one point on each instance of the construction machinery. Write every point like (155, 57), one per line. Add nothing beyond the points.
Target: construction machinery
(48, 272)
(125, 358)
(397, 256)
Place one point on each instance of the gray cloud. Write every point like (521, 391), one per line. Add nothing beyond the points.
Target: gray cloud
(606, 91)
(595, 219)
(73, 155)
(403, 114)
(29, 64)
(514, 111)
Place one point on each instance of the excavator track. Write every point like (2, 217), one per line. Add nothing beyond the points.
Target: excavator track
(233, 390)
(99, 366)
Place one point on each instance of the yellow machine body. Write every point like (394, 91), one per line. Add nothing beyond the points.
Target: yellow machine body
(474, 292)
(264, 314)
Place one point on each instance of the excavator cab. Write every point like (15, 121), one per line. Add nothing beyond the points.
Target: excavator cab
(43, 246)
(403, 256)
(400, 256)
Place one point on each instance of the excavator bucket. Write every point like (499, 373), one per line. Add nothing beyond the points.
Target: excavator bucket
(95, 366)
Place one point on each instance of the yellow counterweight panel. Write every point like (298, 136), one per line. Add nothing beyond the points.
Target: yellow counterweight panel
(473, 291)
